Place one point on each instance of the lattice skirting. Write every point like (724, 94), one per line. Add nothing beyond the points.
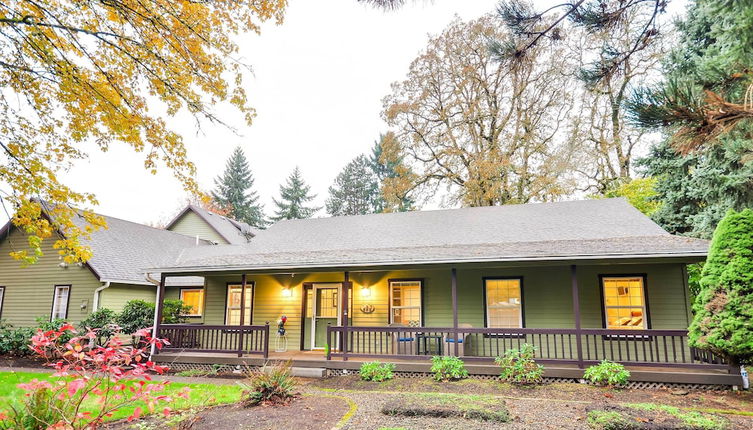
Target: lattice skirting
(213, 368)
(549, 380)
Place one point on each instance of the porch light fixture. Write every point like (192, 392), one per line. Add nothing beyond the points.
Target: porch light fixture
(365, 291)
(286, 292)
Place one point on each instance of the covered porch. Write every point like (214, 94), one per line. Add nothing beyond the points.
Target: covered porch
(635, 313)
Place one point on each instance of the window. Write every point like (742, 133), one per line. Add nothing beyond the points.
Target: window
(624, 302)
(504, 303)
(233, 311)
(193, 297)
(2, 298)
(405, 300)
(60, 302)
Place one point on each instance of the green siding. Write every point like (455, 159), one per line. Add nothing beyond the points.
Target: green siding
(116, 295)
(29, 290)
(191, 224)
(547, 299)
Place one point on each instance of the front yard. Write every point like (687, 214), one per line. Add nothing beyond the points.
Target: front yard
(420, 403)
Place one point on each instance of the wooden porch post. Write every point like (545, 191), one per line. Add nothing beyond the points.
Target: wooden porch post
(346, 289)
(454, 284)
(158, 312)
(243, 299)
(576, 313)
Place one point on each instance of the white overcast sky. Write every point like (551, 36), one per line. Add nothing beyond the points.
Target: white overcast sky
(317, 86)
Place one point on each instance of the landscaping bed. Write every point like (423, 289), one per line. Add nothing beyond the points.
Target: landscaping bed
(652, 416)
(481, 408)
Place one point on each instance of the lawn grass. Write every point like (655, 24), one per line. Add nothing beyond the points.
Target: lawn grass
(439, 405)
(200, 394)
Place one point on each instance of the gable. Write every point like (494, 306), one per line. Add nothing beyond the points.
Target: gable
(191, 224)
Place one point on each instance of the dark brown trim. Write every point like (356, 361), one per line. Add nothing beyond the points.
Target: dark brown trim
(389, 296)
(304, 303)
(522, 297)
(2, 300)
(251, 284)
(204, 301)
(624, 275)
(67, 302)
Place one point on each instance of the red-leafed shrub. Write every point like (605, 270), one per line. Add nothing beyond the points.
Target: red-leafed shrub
(91, 383)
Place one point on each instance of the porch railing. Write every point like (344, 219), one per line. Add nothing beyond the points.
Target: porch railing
(659, 348)
(247, 339)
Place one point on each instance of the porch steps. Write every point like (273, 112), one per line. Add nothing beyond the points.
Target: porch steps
(309, 372)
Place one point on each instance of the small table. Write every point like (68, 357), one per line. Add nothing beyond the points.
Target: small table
(428, 344)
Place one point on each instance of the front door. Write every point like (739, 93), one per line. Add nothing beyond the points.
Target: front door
(326, 310)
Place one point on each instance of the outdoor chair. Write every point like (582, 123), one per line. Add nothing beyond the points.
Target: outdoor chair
(404, 342)
(449, 342)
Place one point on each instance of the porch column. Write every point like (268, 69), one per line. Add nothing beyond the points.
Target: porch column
(344, 315)
(454, 285)
(576, 313)
(243, 299)
(158, 311)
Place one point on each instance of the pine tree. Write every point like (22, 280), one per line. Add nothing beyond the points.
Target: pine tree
(388, 168)
(294, 195)
(355, 191)
(724, 306)
(234, 190)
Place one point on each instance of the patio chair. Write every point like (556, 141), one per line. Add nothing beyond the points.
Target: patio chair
(449, 342)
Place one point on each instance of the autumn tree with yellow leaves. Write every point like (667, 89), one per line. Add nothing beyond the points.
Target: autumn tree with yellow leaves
(76, 72)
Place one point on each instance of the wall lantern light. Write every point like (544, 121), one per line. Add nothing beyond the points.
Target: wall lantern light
(365, 291)
(286, 292)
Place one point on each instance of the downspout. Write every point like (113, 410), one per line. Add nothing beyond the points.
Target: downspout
(95, 304)
(156, 303)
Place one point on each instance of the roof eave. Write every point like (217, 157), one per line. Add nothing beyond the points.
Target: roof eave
(190, 269)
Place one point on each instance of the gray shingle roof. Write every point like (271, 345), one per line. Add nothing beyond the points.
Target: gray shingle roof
(125, 248)
(608, 228)
(234, 232)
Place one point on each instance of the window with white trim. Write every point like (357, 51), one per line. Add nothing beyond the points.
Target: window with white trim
(504, 303)
(233, 310)
(60, 302)
(405, 300)
(193, 297)
(624, 302)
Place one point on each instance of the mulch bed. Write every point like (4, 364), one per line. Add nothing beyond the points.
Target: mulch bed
(616, 417)
(481, 408)
(304, 413)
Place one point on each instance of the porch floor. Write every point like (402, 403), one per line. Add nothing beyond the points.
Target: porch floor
(317, 359)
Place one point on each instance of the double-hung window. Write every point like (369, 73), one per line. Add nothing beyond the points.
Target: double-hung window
(624, 302)
(233, 310)
(193, 297)
(405, 303)
(504, 303)
(60, 302)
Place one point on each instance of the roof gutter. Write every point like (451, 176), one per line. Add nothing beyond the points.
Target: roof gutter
(95, 305)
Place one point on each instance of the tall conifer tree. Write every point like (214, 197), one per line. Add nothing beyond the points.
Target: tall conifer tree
(294, 195)
(355, 190)
(234, 190)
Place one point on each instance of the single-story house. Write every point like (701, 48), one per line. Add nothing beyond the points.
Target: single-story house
(581, 280)
(114, 275)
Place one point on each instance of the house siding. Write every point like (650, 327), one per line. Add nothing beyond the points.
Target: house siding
(117, 295)
(547, 298)
(191, 224)
(29, 290)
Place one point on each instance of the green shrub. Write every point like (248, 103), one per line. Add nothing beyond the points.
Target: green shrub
(519, 366)
(607, 373)
(102, 321)
(448, 368)
(38, 410)
(136, 314)
(376, 371)
(269, 385)
(174, 312)
(15, 341)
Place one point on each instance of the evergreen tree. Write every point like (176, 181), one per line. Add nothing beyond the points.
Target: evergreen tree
(388, 168)
(234, 190)
(696, 190)
(355, 190)
(294, 195)
(724, 306)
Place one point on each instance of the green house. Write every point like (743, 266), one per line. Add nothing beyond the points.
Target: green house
(582, 281)
(114, 275)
